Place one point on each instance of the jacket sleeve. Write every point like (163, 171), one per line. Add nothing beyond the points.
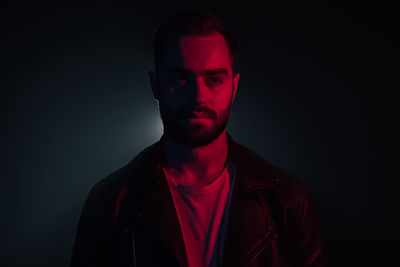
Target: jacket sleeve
(91, 235)
(309, 247)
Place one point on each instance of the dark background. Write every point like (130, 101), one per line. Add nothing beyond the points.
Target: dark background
(315, 95)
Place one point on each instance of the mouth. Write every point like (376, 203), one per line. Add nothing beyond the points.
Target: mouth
(197, 115)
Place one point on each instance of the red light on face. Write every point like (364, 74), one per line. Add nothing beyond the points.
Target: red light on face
(197, 76)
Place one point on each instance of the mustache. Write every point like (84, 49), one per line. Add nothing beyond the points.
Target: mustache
(186, 111)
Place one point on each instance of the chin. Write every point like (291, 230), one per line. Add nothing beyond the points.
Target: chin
(197, 135)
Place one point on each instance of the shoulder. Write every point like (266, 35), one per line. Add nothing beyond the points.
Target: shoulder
(260, 173)
(107, 191)
(262, 177)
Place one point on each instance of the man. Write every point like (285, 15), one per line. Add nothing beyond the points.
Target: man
(196, 198)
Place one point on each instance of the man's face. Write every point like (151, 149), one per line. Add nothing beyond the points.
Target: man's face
(195, 88)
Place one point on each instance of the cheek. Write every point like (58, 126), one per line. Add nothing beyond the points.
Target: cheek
(170, 99)
(223, 99)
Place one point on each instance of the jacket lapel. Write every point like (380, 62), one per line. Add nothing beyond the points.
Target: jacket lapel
(165, 221)
(250, 229)
(153, 201)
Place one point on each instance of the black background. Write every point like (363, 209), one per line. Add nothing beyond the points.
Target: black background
(315, 97)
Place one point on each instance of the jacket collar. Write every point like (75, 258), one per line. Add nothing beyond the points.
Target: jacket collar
(242, 242)
(256, 172)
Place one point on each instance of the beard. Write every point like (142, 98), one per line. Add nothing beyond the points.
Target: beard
(194, 134)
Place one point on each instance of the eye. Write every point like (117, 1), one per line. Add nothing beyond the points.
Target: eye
(213, 81)
(181, 81)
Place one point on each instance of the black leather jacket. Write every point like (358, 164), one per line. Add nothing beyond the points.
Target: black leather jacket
(129, 218)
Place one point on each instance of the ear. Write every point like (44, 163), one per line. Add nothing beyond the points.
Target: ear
(235, 84)
(154, 85)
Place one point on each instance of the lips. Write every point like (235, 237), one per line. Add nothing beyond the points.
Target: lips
(197, 114)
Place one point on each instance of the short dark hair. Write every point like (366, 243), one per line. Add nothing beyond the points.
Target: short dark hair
(195, 22)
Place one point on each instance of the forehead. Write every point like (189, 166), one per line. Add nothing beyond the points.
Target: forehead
(197, 53)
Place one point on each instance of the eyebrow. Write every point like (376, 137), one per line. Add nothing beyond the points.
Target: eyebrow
(216, 71)
(206, 72)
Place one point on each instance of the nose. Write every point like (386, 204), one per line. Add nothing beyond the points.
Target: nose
(198, 92)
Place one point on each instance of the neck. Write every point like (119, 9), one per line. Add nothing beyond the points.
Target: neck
(195, 166)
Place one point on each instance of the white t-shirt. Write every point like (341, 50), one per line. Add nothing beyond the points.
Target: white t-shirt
(200, 211)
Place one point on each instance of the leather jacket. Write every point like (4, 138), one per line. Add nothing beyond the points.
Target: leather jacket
(129, 218)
